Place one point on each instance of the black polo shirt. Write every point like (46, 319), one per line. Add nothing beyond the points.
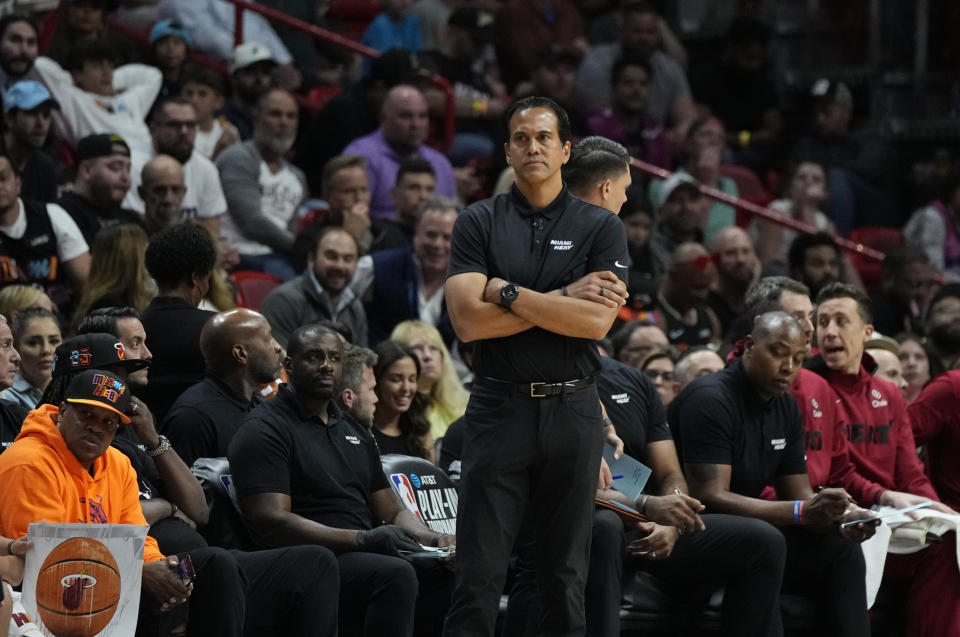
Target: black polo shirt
(328, 470)
(633, 406)
(543, 250)
(12, 416)
(204, 419)
(719, 419)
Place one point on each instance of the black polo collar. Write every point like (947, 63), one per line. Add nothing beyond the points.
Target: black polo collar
(526, 209)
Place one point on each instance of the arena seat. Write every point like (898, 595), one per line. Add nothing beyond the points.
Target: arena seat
(253, 287)
(749, 187)
(425, 490)
(883, 239)
(225, 526)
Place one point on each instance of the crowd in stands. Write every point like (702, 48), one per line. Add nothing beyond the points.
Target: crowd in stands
(251, 239)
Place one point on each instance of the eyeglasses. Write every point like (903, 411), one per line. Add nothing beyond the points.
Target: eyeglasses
(654, 374)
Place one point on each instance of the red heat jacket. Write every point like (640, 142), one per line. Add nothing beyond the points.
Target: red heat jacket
(828, 454)
(872, 414)
(935, 416)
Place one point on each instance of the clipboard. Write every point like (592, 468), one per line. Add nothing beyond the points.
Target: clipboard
(628, 515)
(629, 475)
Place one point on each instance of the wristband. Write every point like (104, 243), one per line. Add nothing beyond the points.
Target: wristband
(796, 511)
(803, 503)
(563, 291)
(643, 503)
(744, 138)
(10, 547)
(479, 108)
(173, 509)
(607, 422)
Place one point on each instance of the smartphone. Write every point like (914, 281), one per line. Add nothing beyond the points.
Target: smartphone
(184, 569)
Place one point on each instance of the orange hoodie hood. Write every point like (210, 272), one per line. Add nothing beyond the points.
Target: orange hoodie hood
(43, 481)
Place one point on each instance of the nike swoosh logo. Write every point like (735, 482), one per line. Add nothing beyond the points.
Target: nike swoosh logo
(618, 264)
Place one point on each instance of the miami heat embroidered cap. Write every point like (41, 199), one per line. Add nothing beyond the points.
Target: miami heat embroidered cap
(96, 350)
(98, 388)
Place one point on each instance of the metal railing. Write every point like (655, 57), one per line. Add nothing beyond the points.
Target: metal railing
(240, 6)
(759, 211)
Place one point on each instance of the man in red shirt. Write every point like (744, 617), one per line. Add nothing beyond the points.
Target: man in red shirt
(936, 425)
(828, 455)
(872, 414)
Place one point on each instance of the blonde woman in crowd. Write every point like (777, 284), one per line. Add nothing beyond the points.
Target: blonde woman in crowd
(14, 299)
(438, 377)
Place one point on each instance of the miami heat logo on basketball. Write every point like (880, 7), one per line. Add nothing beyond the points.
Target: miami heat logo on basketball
(78, 588)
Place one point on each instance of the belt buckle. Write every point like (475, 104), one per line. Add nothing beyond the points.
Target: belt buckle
(532, 391)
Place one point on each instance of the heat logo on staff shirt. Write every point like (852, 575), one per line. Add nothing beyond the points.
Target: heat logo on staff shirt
(878, 399)
(402, 484)
(816, 408)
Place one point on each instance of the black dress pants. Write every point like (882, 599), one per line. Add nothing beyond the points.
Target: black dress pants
(520, 453)
(385, 596)
(290, 591)
(830, 569)
(744, 555)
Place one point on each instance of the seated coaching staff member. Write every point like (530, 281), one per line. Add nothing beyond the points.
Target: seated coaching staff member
(533, 424)
(306, 473)
(740, 430)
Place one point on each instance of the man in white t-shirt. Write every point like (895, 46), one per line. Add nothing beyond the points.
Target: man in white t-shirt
(263, 189)
(173, 126)
(96, 98)
(39, 243)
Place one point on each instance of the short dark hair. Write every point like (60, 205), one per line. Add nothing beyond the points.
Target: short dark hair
(157, 110)
(592, 160)
(296, 345)
(19, 325)
(621, 337)
(764, 295)
(13, 164)
(414, 166)
(93, 51)
(624, 62)
(177, 253)
(324, 231)
(205, 77)
(798, 249)
(104, 320)
(847, 291)
(537, 101)
(355, 358)
(13, 18)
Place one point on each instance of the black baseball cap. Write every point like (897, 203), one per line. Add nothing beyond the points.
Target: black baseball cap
(93, 351)
(100, 145)
(102, 389)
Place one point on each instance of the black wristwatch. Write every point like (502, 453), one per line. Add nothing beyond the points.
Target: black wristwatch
(508, 294)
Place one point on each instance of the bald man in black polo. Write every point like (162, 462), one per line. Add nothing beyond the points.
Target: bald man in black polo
(533, 427)
(739, 430)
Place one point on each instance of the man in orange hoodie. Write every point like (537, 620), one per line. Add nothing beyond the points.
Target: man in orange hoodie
(62, 469)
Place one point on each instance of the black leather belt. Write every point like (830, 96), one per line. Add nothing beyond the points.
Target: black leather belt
(537, 390)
